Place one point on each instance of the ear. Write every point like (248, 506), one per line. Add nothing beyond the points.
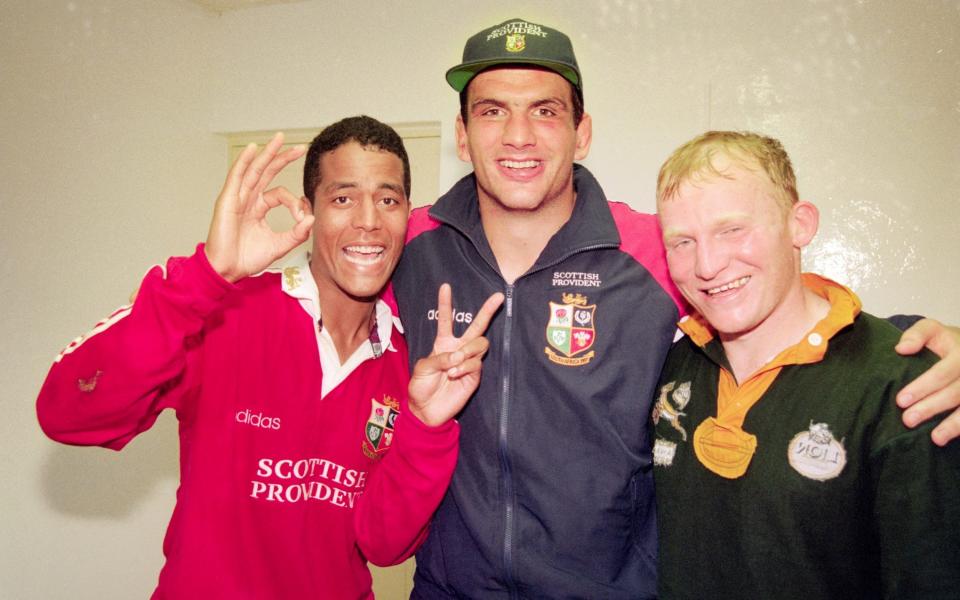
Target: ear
(804, 222)
(584, 137)
(305, 205)
(463, 149)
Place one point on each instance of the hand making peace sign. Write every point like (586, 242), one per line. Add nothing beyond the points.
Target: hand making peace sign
(442, 383)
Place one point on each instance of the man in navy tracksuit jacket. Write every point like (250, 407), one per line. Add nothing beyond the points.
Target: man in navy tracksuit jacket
(554, 478)
(552, 494)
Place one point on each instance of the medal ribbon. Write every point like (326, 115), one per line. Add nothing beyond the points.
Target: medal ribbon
(720, 443)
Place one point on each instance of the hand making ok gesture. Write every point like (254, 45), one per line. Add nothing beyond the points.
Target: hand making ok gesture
(442, 382)
(240, 242)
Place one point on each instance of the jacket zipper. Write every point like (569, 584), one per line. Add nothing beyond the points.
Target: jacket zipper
(505, 396)
(502, 437)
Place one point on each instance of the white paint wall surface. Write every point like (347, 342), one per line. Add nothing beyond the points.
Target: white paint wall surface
(110, 162)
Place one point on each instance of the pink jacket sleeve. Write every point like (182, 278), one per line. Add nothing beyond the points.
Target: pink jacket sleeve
(393, 515)
(109, 385)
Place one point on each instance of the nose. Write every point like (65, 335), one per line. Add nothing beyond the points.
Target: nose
(366, 216)
(712, 258)
(518, 131)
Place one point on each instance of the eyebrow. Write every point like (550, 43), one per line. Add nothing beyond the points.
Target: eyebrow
(724, 221)
(552, 100)
(669, 234)
(732, 217)
(347, 185)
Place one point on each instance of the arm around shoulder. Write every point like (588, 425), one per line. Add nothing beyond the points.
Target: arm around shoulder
(937, 390)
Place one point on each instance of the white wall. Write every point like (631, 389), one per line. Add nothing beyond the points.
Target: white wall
(110, 162)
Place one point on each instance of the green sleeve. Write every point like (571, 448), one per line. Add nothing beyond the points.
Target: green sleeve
(917, 515)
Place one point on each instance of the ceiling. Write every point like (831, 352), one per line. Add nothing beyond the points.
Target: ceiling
(227, 5)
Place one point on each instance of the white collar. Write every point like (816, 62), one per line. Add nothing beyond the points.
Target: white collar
(297, 281)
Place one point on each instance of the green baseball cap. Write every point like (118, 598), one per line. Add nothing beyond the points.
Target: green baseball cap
(517, 42)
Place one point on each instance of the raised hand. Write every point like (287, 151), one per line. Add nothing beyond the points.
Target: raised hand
(240, 242)
(442, 383)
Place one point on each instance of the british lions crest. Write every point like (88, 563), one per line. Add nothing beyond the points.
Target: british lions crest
(516, 42)
(378, 432)
(570, 331)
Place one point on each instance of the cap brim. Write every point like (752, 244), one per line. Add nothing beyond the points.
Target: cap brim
(459, 76)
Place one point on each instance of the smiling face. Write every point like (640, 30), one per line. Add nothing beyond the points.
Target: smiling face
(361, 221)
(734, 250)
(521, 139)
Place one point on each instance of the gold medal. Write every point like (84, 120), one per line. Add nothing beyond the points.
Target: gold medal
(724, 449)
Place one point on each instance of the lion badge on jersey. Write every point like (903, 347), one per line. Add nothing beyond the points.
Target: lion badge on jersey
(570, 331)
(378, 432)
(816, 454)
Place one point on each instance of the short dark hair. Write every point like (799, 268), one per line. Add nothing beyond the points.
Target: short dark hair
(364, 130)
(574, 93)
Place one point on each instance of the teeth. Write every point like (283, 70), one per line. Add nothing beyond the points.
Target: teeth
(729, 286)
(519, 164)
(363, 255)
(365, 249)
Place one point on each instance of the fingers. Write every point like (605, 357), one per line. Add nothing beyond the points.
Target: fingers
(301, 230)
(944, 375)
(252, 172)
(273, 198)
(277, 164)
(918, 335)
(928, 395)
(467, 367)
(436, 363)
(482, 319)
(937, 390)
(947, 431)
(454, 365)
(231, 186)
(444, 311)
(299, 209)
(255, 168)
(934, 404)
(468, 358)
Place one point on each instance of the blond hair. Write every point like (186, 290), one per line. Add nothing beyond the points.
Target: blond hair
(696, 160)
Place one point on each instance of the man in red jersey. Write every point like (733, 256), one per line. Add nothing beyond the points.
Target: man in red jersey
(301, 456)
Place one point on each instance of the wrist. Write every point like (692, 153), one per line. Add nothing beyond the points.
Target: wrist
(424, 418)
(228, 274)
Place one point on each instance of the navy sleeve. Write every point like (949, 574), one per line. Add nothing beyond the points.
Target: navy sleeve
(903, 322)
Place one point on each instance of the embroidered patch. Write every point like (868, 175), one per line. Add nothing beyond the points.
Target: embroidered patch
(816, 454)
(88, 385)
(671, 412)
(570, 330)
(516, 42)
(663, 452)
(378, 432)
(291, 277)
